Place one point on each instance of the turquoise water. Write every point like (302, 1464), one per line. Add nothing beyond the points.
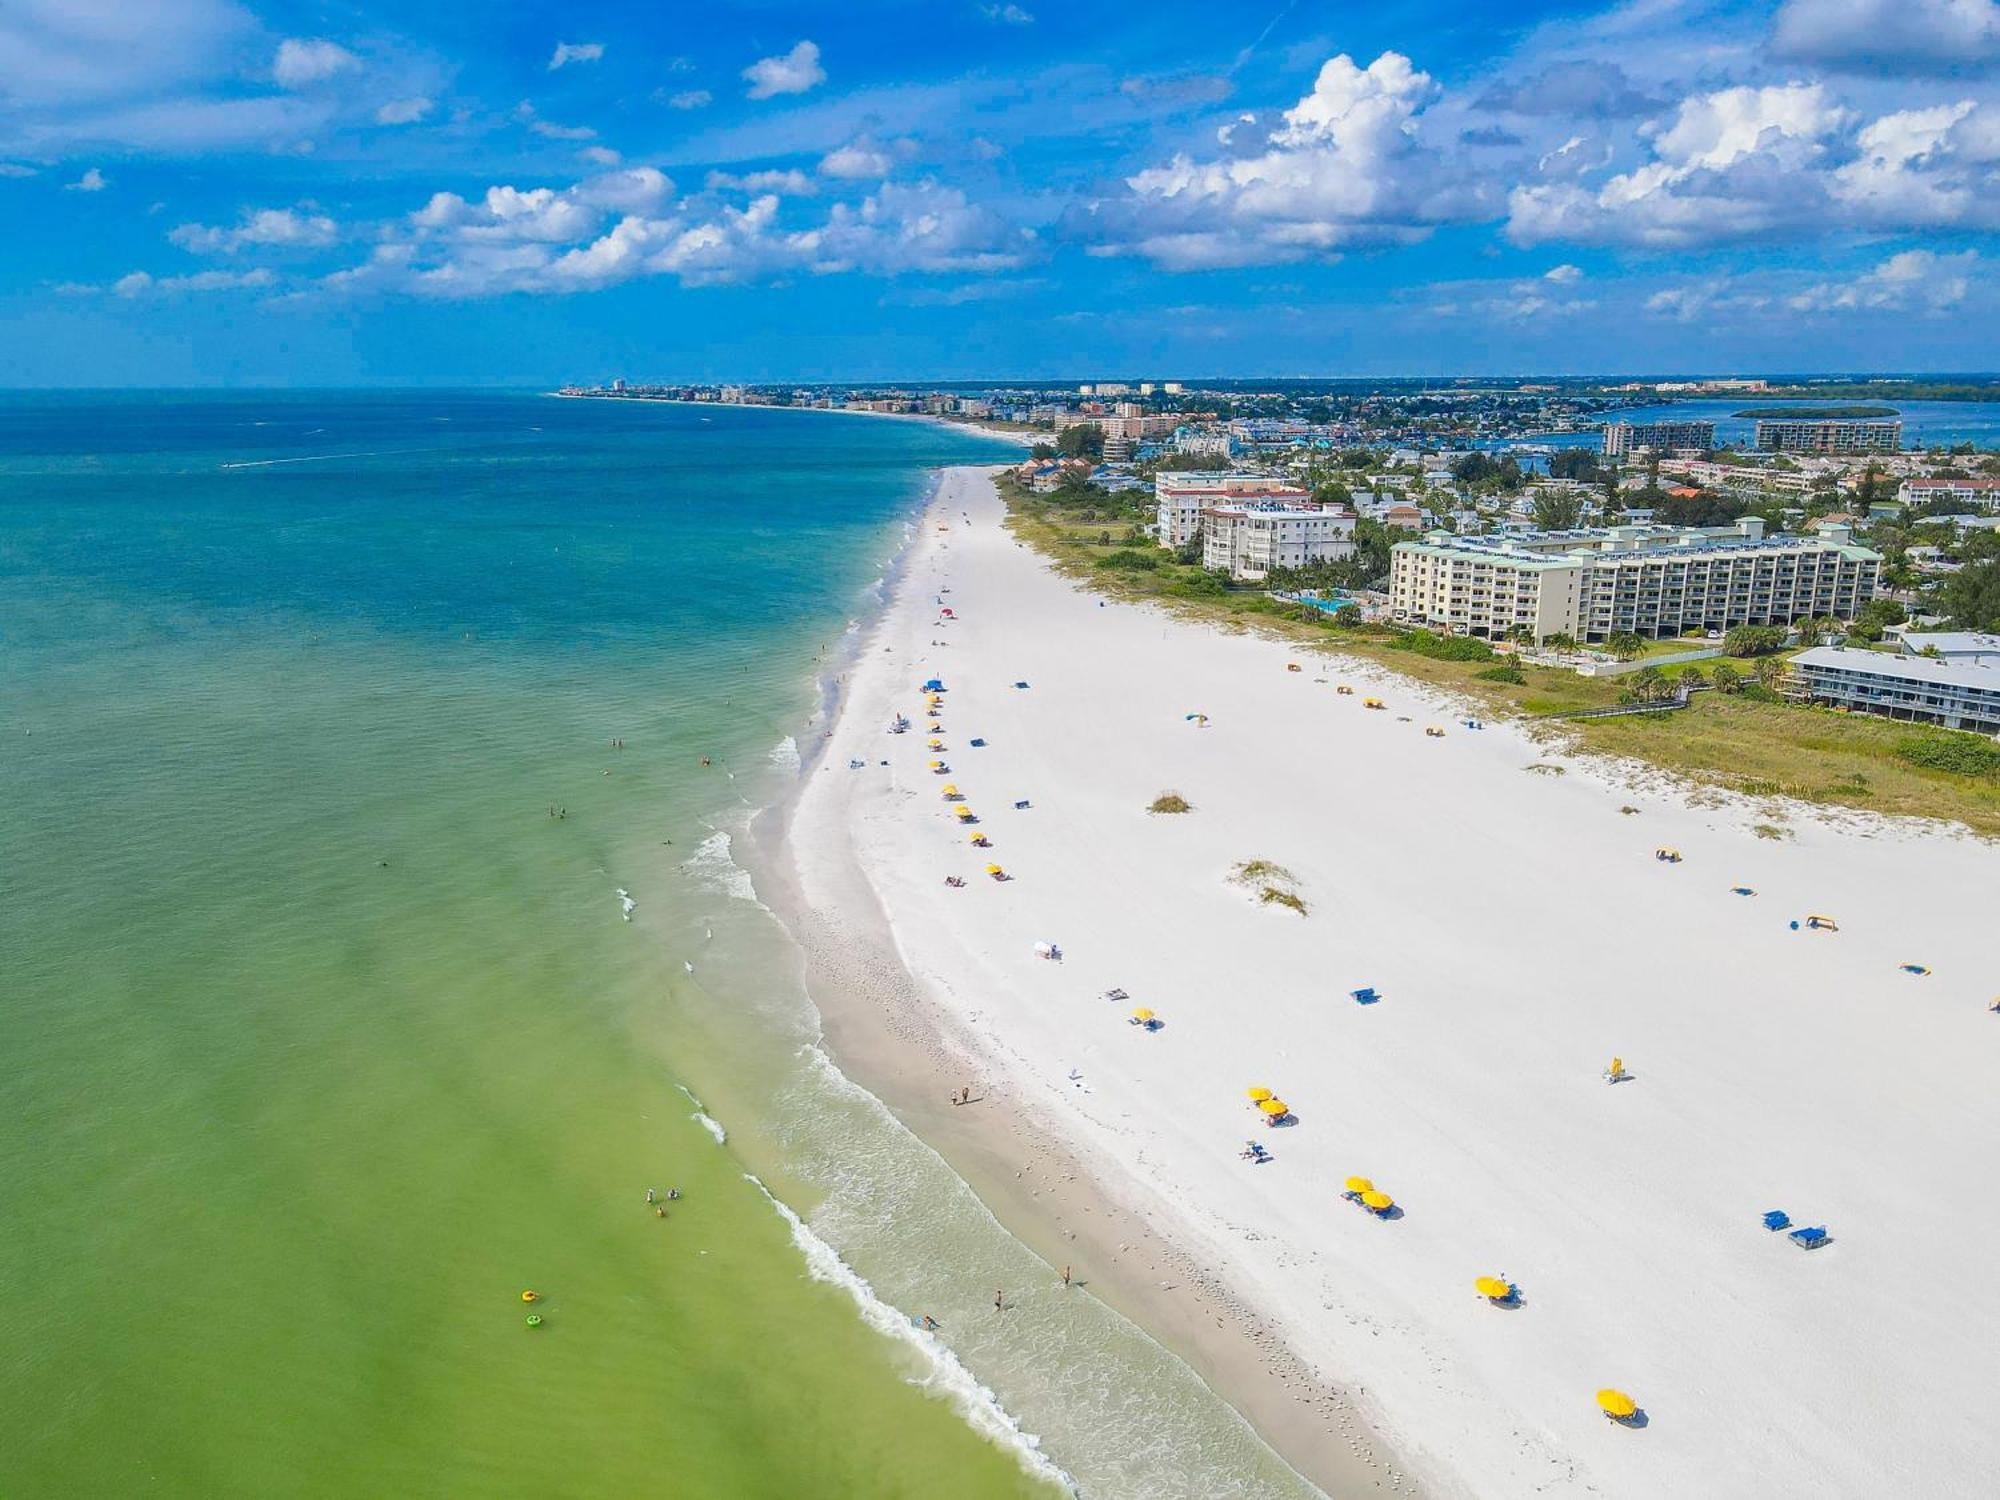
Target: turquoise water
(338, 732)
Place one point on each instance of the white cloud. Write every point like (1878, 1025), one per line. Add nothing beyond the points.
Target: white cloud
(1718, 129)
(789, 184)
(857, 159)
(920, 226)
(1007, 15)
(92, 181)
(690, 99)
(15, 169)
(1915, 35)
(601, 156)
(549, 129)
(141, 284)
(575, 52)
(300, 62)
(1346, 166)
(403, 111)
(1564, 275)
(64, 52)
(265, 227)
(794, 72)
(1910, 281)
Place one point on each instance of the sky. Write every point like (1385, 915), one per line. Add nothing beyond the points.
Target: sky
(234, 192)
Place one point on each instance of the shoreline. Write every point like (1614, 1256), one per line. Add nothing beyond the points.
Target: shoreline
(998, 434)
(883, 1031)
(1499, 914)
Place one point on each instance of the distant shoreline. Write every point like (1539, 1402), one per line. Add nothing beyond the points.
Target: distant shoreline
(1025, 439)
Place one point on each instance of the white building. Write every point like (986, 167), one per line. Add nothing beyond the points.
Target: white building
(1829, 435)
(1181, 497)
(1205, 442)
(1953, 645)
(1646, 580)
(1248, 538)
(1621, 438)
(1957, 694)
(1981, 492)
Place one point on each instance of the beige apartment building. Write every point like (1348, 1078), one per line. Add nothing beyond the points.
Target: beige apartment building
(1647, 580)
(1180, 498)
(1249, 538)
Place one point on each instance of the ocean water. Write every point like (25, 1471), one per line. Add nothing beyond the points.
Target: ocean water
(1926, 424)
(356, 978)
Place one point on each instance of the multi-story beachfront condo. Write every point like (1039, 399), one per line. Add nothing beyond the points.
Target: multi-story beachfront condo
(1829, 435)
(1181, 498)
(1621, 438)
(1248, 538)
(1646, 580)
(1958, 694)
(1984, 493)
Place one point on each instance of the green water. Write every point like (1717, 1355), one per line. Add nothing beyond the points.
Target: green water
(324, 1039)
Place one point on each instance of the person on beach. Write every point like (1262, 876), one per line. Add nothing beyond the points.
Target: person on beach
(673, 1194)
(652, 1195)
(999, 1301)
(930, 1324)
(1065, 1275)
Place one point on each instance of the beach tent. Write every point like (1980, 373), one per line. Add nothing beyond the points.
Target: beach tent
(1494, 1288)
(1616, 1405)
(1259, 1094)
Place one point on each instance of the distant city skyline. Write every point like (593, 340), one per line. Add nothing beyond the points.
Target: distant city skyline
(204, 192)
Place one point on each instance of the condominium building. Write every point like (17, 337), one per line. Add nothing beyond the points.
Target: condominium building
(1248, 538)
(1181, 497)
(1957, 694)
(1621, 438)
(1829, 435)
(1984, 493)
(1645, 580)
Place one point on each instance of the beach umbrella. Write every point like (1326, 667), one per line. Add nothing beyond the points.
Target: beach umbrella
(1259, 1095)
(1275, 1108)
(1616, 1404)
(1360, 1185)
(1379, 1201)
(993, 870)
(1142, 1014)
(937, 765)
(1494, 1287)
(950, 789)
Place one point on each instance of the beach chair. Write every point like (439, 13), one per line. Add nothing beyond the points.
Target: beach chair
(977, 744)
(1020, 684)
(1021, 806)
(1822, 924)
(1917, 969)
(1365, 996)
(1810, 1238)
(1776, 1219)
(1741, 890)
(1345, 691)
(1116, 995)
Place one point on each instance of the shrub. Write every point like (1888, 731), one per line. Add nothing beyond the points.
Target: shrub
(1129, 560)
(1170, 802)
(1444, 647)
(1503, 673)
(1961, 754)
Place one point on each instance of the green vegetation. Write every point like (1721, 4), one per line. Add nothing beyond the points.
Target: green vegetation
(1742, 736)
(1443, 647)
(1170, 802)
(1132, 561)
(1960, 754)
(1273, 883)
(1754, 640)
(1506, 672)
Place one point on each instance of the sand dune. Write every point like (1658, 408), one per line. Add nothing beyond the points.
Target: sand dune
(1520, 934)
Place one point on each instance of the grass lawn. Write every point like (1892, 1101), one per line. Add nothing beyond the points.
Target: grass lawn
(1759, 749)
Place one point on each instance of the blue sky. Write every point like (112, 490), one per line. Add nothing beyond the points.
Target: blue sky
(226, 191)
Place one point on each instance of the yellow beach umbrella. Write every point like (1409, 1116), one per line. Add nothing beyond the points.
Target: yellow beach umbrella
(1494, 1287)
(993, 870)
(966, 814)
(937, 765)
(977, 837)
(1275, 1108)
(1616, 1403)
(1378, 1201)
(1259, 1095)
(1142, 1015)
(1360, 1185)
(950, 789)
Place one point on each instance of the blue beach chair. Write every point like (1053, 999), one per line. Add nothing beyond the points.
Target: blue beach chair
(1365, 996)
(1809, 1239)
(1777, 1219)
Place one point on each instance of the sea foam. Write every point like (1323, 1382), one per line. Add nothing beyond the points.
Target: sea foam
(714, 866)
(946, 1376)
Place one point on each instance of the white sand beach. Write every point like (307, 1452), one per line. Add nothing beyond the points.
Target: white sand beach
(1520, 933)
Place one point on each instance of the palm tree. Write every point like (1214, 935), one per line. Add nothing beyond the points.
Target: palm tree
(1771, 672)
(1692, 677)
(1726, 678)
(1562, 640)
